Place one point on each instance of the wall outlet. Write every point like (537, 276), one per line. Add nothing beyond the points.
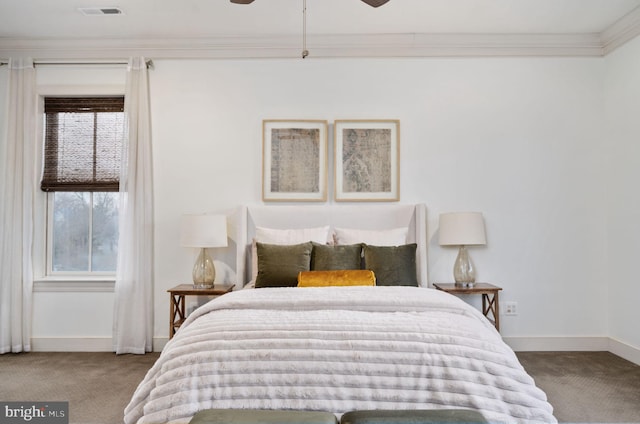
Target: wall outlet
(511, 308)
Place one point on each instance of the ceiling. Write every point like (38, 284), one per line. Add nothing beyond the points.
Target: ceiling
(334, 27)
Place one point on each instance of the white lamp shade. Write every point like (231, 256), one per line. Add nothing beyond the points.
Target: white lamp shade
(462, 229)
(203, 231)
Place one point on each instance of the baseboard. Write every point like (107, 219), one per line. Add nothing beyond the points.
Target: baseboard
(159, 342)
(624, 350)
(519, 344)
(528, 344)
(71, 344)
(83, 344)
(585, 344)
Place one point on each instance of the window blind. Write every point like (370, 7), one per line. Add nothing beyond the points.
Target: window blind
(83, 143)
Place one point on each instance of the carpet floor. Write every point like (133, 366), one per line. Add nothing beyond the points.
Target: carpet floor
(583, 387)
(97, 385)
(587, 387)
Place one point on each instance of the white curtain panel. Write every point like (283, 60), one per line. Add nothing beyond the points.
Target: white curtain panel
(133, 314)
(17, 189)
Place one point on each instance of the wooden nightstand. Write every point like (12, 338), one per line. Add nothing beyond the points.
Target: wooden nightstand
(489, 292)
(177, 313)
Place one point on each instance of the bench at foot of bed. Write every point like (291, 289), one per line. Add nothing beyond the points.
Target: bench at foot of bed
(262, 416)
(414, 416)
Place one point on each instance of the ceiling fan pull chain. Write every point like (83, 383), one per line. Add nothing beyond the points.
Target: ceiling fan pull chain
(305, 52)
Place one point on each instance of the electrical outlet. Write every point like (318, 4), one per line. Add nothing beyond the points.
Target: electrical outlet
(511, 308)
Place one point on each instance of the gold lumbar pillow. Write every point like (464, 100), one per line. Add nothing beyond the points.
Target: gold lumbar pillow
(349, 277)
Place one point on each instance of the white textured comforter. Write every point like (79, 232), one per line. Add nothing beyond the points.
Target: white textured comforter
(337, 349)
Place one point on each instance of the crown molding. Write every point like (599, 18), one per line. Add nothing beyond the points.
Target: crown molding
(319, 46)
(455, 45)
(625, 29)
(332, 46)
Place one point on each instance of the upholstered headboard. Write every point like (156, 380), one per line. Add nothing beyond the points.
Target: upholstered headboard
(362, 217)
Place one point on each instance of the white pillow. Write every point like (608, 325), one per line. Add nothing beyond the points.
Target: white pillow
(286, 237)
(292, 236)
(391, 237)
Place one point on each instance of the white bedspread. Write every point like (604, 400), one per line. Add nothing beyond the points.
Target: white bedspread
(337, 349)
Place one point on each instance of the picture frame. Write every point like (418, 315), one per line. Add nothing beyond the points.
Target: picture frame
(367, 160)
(294, 160)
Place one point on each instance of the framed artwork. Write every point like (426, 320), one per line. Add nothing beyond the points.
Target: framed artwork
(367, 160)
(294, 160)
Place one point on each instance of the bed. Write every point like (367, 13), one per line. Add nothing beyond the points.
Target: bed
(336, 348)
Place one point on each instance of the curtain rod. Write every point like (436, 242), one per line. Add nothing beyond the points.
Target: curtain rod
(86, 63)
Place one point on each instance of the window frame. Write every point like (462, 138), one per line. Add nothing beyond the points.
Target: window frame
(44, 279)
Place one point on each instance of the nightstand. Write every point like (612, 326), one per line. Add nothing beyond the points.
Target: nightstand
(177, 294)
(489, 292)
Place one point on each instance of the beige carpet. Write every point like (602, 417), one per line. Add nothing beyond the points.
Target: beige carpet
(585, 387)
(97, 385)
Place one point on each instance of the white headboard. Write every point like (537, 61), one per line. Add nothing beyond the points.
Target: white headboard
(364, 217)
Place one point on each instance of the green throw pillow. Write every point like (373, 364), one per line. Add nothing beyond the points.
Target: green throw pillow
(329, 258)
(279, 265)
(392, 265)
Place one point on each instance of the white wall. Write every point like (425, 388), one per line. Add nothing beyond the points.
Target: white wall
(520, 139)
(622, 88)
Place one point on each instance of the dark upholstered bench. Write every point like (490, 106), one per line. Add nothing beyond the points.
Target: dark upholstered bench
(414, 416)
(262, 416)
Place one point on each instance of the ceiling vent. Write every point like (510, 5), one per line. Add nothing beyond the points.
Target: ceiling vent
(98, 11)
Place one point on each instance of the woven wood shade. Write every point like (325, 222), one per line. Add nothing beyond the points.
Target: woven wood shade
(83, 143)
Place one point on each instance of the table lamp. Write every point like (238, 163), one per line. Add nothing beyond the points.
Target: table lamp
(203, 231)
(462, 229)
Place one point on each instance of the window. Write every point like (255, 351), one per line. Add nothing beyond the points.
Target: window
(82, 151)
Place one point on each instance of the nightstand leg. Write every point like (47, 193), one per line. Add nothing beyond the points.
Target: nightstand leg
(496, 310)
(491, 305)
(177, 313)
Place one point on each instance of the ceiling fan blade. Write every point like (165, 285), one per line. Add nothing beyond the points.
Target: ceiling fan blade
(375, 3)
(242, 1)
